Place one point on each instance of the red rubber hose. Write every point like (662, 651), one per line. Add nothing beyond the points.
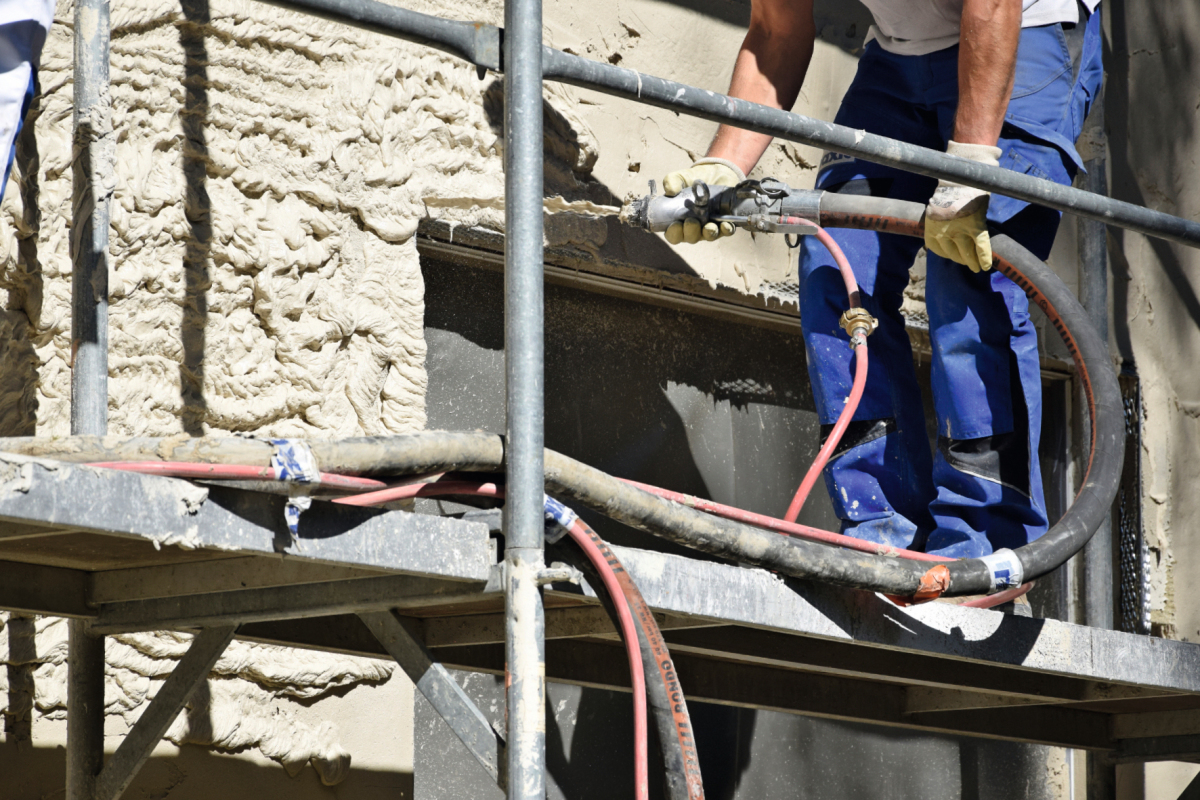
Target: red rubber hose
(641, 778)
(441, 488)
(234, 472)
(435, 489)
(835, 436)
(728, 512)
(999, 598)
(856, 392)
(608, 577)
(654, 649)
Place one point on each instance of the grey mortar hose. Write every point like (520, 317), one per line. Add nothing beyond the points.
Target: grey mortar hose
(575, 482)
(1094, 369)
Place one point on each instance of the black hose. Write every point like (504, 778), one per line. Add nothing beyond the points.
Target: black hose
(663, 696)
(1089, 352)
(570, 480)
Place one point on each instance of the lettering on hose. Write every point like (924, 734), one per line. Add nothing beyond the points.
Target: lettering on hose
(831, 158)
(644, 616)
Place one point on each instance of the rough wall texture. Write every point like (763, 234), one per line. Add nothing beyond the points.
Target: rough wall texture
(1154, 87)
(270, 173)
(1153, 105)
(272, 170)
(250, 701)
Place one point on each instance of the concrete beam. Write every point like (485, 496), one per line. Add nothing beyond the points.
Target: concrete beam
(37, 589)
(726, 682)
(1145, 724)
(561, 623)
(760, 599)
(222, 575)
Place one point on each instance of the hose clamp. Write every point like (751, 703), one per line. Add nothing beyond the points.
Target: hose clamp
(858, 325)
(1005, 569)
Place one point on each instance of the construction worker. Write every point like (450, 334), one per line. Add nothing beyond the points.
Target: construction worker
(1001, 82)
(24, 25)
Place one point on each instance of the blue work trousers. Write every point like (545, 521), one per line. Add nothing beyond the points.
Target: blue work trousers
(981, 489)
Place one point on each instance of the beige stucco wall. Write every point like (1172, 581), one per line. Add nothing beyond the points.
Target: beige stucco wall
(271, 170)
(322, 147)
(1154, 127)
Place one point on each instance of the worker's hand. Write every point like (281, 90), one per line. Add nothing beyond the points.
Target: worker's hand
(956, 218)
(714, 172)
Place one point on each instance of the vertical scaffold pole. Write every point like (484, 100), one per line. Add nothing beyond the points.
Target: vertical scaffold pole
(525, 650)
(1098, 560)
(93, 170)
(1093, 296)
(85, 710)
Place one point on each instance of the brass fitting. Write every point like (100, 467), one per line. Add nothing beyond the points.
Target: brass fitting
(858, 319)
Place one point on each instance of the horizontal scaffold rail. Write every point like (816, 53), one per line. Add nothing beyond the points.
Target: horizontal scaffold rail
(482, 45)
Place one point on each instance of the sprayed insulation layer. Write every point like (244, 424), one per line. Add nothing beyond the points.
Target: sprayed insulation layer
(270, 175)
(271, 172)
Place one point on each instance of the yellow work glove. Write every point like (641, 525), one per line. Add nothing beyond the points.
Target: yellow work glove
(714, 172)
(956, 217)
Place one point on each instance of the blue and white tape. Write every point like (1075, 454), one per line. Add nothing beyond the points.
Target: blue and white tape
(1005, 568)
(293, 460)
(296, 505)
(559, 513)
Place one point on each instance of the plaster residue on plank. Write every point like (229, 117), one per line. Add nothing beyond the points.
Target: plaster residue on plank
(253, 698)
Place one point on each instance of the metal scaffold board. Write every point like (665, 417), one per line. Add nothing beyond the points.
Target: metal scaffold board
(135, 552)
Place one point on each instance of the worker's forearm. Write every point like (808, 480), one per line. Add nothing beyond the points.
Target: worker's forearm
(769, 70)
(987, 58)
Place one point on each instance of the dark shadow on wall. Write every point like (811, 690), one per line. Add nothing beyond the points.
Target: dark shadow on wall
(22, 661)
(697, 405)
(19, 319)
(567, 167)
(1151, 123)
(744, 754)
(567, 173)
(198, 211)
(198, 773)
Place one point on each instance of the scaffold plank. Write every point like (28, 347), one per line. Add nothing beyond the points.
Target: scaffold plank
(166, 511)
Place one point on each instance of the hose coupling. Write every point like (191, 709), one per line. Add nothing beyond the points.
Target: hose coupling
(858, 325)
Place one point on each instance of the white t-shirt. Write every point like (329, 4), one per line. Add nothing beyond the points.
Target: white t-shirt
(917, 27)
(17, 61)
(40, 11)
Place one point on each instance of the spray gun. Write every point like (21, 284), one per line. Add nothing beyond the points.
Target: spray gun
(765, 206)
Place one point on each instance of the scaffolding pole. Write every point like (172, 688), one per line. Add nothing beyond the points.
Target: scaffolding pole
(1097, 554)
(525, 647)
(92, 169)
(92, 184)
